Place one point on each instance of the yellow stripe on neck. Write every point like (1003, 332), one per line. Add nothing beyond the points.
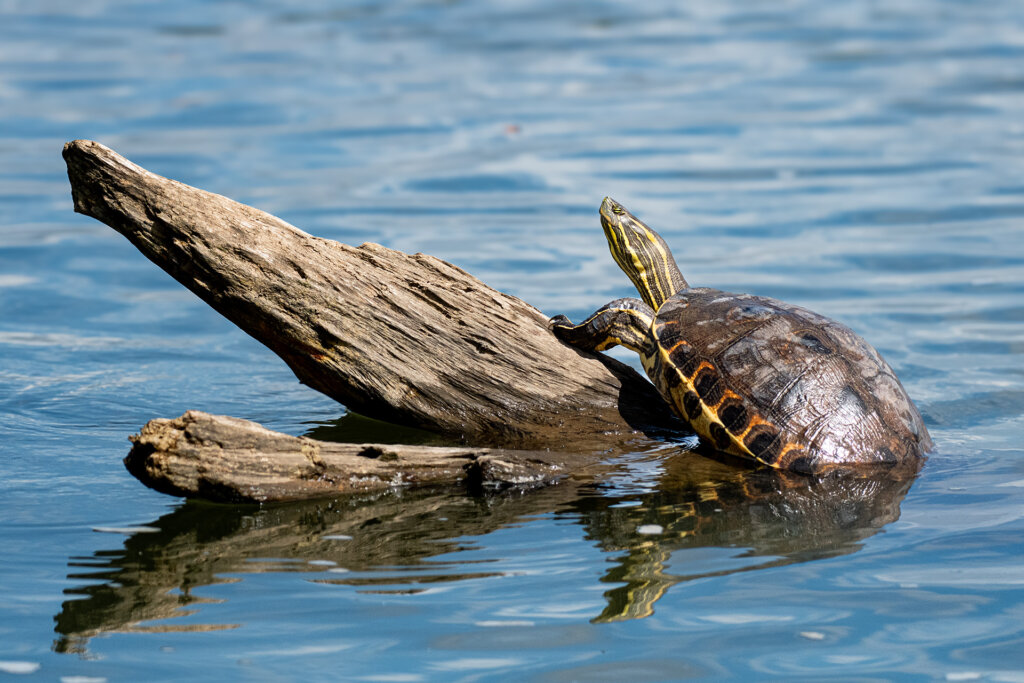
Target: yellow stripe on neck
(639, 267)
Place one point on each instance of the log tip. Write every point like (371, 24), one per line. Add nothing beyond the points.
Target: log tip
(95, 170)
(77, 154)
(83, 148)
(71, 146)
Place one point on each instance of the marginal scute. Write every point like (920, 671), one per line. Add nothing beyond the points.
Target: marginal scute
(670, 377)
(709, 385)
(691, 406)
(720, 436)
(733, 415)
(763, 442)
(802, 463)
(687, 364)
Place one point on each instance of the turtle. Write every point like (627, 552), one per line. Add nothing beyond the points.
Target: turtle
(754, 377)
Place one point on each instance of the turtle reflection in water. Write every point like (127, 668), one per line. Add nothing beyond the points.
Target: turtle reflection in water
(754, 377)
(755, 519)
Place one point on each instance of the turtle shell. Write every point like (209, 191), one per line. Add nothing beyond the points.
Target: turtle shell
(764, 379)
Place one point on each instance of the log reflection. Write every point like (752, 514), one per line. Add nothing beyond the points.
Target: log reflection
(767, 519)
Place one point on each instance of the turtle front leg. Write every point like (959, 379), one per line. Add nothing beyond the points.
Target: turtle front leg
(623, 321)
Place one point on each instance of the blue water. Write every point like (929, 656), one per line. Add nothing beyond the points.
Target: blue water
(863, 159)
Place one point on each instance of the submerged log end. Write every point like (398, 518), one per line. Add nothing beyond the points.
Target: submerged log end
(228, 459)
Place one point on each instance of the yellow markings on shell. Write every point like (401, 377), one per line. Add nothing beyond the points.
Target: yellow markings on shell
(787, 448)
(675, 346)
(754, 421)
(703, 364)
(708, 414)
(726, 395)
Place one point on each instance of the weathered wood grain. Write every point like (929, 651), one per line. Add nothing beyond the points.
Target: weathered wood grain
(227, 459)
(405, 338)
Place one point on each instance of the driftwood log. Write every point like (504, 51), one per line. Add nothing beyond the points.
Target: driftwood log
(404, 338)
(232, 460)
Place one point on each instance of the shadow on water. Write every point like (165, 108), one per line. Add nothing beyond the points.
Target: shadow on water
(355, 428)
(758, 518)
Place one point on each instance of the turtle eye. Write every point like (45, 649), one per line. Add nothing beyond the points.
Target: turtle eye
(617, 210)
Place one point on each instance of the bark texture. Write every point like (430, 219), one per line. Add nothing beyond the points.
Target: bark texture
(405, 338)
(227, 459)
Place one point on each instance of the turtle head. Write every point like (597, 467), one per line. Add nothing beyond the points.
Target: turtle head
(641, 253)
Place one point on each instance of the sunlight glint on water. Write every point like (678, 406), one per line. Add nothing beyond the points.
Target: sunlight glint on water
(862, 159)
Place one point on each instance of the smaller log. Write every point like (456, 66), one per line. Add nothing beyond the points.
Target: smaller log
(228, 459)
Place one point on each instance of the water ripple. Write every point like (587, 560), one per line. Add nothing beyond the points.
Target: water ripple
(859, 158)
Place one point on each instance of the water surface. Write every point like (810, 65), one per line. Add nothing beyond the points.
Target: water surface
(862, 159)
